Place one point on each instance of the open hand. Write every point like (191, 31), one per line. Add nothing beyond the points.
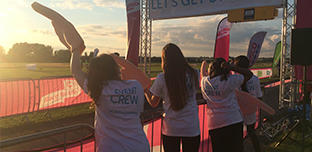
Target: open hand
(65, 31)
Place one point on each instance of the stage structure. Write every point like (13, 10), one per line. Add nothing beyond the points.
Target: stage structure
(288, 91)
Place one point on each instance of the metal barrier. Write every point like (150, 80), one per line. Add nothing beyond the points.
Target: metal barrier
(6, 145)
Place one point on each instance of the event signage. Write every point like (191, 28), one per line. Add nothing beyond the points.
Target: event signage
(262, 73)
(277, 54)
(255, 47)
(222, 44)
(133, 18)
(165, 9)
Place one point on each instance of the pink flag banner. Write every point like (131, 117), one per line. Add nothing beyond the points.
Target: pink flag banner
(303, 20)
(254, 48)
(222, 44)
(133, 18)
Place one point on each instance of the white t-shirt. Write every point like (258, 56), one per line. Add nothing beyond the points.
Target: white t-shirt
(117, 123)
(253, 88)
(222, 106)
(184, 122)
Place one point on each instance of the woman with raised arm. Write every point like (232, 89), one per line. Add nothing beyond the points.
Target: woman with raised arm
(118, 105)
(177, 87)
(225, 122)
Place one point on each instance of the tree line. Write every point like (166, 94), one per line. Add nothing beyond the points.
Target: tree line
(34, 52)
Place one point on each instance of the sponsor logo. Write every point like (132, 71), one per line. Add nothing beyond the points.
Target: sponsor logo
(71, 89)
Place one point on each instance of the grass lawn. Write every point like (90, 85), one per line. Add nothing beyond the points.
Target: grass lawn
(19, 70)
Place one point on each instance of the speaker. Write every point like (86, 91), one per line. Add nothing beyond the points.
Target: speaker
(301, 46)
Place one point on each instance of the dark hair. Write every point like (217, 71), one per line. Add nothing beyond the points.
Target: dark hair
(216, 68)
(242, 62)
(101, 69)
(175, 70)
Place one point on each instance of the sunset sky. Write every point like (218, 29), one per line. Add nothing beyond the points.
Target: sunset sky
(103, 25)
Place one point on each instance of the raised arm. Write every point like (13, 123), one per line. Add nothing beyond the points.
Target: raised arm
(204, 69)
(245, 72)
(75, 68)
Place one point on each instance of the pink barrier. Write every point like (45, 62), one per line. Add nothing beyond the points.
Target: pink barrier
(17, 97)
(60, 92)
(23, 96)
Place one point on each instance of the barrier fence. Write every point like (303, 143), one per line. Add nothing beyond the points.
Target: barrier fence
(152, 128)
(23, 96)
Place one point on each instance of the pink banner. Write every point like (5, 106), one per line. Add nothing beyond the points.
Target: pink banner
(60, 92)
(23, 96)
(254, 48)
(303, 20)
(17, 96)
(133, 17)
(222, 44)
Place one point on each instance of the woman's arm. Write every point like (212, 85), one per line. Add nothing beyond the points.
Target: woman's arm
(244, 71)
(204, 69)
(151, 99)
(75, 68)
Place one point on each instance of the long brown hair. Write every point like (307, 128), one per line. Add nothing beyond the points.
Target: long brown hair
(175, 70)
(101, 69)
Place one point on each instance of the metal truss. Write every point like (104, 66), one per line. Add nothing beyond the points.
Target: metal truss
(145, 36)
(287, 92)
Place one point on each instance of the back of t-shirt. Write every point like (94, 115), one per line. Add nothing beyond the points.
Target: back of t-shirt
(117, 117)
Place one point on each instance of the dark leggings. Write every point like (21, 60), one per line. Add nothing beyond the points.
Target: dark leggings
(189, 144)
(228, 138)
(252, 134)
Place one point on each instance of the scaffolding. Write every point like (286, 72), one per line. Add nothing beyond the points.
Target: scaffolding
(145, 36)
(287, 92)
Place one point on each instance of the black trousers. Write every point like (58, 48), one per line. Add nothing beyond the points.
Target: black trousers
(228, 138)
(254, 139)
(189, 144)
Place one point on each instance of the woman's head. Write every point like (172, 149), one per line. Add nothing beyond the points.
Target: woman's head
(176, 69)
(216, 68)
(172, 57)
(241, 61)
(101, 69)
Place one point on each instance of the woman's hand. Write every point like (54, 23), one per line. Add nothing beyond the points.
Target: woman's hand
(130, 72)
(65, 31)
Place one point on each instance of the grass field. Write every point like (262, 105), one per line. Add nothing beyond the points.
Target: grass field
(19, 70)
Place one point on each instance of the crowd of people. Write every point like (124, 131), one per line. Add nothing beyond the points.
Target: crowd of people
(119, 103)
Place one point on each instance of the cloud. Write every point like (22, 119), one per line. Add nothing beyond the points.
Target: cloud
(73, 4)
(97, 30)
(110, 3)
(44, 32)
(196, 36)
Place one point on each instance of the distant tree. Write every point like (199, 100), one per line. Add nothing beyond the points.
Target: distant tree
(62, 55)
(2, 53)
(30, 52)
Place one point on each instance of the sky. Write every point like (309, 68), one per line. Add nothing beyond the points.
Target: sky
(103, 24)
